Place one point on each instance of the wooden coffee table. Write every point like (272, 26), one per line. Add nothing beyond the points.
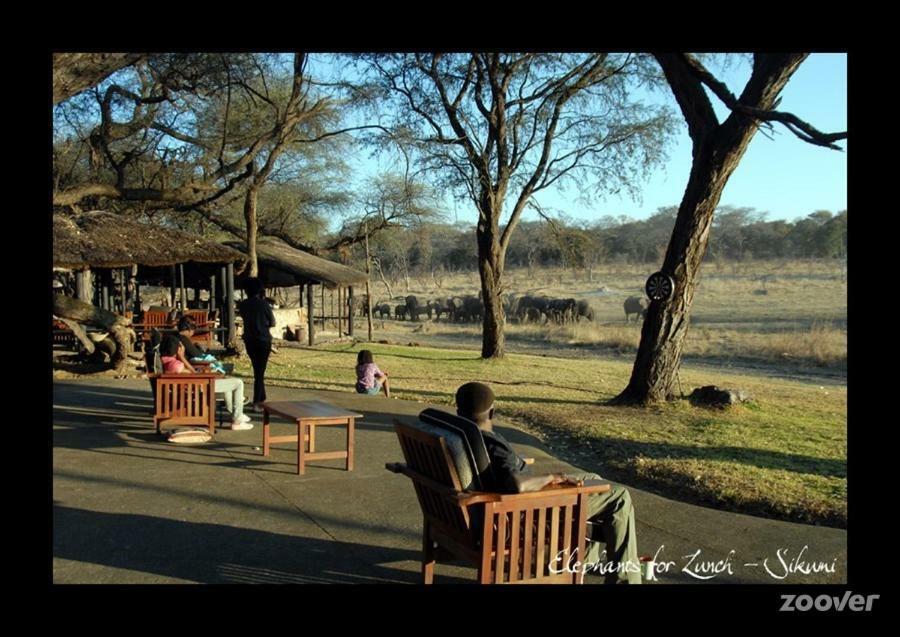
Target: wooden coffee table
(309, 414)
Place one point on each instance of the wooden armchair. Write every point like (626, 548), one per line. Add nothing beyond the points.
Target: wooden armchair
(184, 399)
(203, 333)
(517, 538)
(151, 320)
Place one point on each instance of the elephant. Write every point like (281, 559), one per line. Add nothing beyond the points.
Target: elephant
(584, 309)
(442, 306)
(400, 312)
(531, 308)
(473, 308)
(413, 307)
(456, 308)
(636, 305)
(383, 310)
(562, 310)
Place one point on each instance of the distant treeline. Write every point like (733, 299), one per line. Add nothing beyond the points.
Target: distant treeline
(738, 234)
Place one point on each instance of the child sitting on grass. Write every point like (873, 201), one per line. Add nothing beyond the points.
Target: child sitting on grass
(370, 379)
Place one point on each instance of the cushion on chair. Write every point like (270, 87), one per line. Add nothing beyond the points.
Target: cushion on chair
(475, 448)
(458, 451)
(189, 436)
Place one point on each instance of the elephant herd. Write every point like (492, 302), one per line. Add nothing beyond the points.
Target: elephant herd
(470, 309)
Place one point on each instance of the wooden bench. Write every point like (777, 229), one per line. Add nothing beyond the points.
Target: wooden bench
(517, 538)
(184, 400)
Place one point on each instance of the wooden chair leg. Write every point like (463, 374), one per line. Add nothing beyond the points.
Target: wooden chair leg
(427, 556)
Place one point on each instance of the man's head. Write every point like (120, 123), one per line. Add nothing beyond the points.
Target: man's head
(186, 324)
(475, 401)
(253, 287)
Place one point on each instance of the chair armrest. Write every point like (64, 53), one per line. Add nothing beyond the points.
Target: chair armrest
(557, 489)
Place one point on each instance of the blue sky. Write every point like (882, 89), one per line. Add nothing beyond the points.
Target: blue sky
(779, 174)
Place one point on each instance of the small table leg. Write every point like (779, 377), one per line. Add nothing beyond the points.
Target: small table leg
(301, 445)
(265, 431)
(350, 428)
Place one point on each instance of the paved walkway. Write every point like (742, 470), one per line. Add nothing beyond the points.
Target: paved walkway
(131, 508)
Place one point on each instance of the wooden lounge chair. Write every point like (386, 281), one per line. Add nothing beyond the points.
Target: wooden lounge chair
(184, 400)
(517, 538)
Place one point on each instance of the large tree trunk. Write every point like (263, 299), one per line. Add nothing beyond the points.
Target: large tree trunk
(68, 308)
(665, 327)
(80, 334)
(490, 267)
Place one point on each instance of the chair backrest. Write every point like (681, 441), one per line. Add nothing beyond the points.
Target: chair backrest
(201, 317)
(471, 439)
(436, 455)
(155, 319)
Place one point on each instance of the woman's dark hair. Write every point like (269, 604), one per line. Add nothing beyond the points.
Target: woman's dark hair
(253, 287)
(364, 357)
(169, 345)
(186, 323)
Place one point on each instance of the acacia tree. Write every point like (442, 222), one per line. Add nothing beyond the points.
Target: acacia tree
(498, 128)
(717, 151)
(189, 132)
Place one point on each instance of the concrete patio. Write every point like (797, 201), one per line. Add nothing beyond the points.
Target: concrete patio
(132, 508)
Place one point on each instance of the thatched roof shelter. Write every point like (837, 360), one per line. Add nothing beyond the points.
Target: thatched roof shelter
(280, 265)
(106, 240)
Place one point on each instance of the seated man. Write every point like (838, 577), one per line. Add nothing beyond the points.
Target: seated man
(611, 513)
(174, 362)
(193, 352)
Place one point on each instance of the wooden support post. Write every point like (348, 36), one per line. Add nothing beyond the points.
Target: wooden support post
(123, 298)
(183, 290)
(229, 269)
(223, 302)
(340, 312)
(173, 286)
(323, 307)
(309, 313)
(104, 290)
(136, 299)
(212, 293)
(83, 285)
(368, 291)
(350, 311)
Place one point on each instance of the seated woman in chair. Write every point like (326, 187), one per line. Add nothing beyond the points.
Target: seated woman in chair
(174, 362)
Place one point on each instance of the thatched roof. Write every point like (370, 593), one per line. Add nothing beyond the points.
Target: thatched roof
(106, 240)
(275, 254)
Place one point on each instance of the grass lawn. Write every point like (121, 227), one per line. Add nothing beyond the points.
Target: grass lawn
(782, 456)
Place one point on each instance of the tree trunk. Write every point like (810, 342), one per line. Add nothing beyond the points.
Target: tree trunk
(490, 268)
(653, 377)
(68, 308)
(80, 334)
(717, 151)
(252, 228)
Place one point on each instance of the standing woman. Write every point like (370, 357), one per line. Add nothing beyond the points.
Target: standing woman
(258, 319)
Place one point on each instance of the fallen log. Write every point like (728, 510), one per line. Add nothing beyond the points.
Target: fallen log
(119, 330)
